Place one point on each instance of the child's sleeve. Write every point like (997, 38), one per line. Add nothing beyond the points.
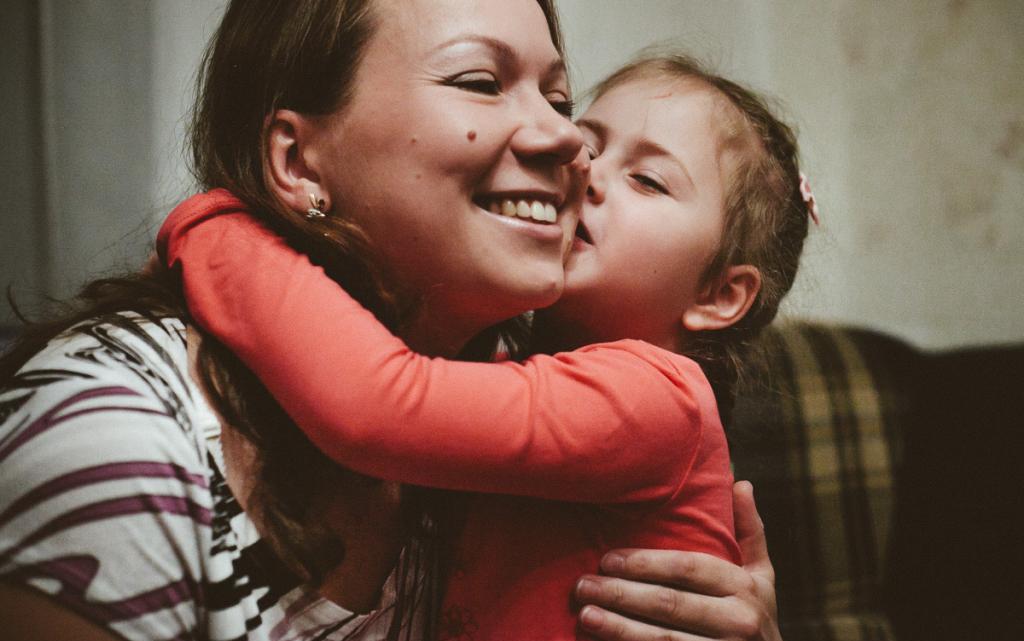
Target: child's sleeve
(612, 422)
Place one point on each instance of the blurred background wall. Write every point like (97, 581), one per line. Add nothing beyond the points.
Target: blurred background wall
(910, 114)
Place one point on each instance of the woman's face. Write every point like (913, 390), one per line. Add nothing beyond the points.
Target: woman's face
(456, 113)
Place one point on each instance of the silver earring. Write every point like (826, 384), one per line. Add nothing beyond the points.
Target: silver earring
(316, 209)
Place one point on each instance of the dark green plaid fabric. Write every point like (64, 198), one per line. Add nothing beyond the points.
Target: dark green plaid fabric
(817, 430)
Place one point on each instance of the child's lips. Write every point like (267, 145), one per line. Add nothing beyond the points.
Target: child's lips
(581, 240)
(583, 234)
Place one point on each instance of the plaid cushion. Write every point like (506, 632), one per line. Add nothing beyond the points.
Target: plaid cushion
(817, 429)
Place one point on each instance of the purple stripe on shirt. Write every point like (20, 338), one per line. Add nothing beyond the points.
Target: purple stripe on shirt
(76, 573)
(50, 418)
(100, 474)
(114, 508)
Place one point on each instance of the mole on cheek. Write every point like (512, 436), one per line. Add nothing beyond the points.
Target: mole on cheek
(471, 135)
(412, 141)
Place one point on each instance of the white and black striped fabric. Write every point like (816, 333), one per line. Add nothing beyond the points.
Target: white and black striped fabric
(111, 501)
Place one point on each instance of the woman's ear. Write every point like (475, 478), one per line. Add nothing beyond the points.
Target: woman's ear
(725, 300)
(292, 170)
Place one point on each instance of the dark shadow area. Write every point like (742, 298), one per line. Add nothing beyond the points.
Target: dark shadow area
(957, 567)
(889, 482)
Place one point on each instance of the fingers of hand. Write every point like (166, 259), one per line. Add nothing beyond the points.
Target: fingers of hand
(750, 530)
(609, 626)
(695, 571)
(696, 613)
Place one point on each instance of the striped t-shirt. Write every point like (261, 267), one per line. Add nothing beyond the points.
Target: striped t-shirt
(111, 501)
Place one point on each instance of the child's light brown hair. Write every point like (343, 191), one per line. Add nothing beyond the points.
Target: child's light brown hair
(765, 214)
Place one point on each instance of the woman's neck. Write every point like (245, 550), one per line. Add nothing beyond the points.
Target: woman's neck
(553, 333)
(548, 336)
(438, 334)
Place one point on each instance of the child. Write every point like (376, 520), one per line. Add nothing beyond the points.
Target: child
(689, 236)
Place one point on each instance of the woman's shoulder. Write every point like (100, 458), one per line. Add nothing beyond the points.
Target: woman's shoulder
(121, 366)
(106, 489)
(109, 397)
(111, 504)
(105, 348)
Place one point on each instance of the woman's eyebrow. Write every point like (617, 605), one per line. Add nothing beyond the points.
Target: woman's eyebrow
(505, 54)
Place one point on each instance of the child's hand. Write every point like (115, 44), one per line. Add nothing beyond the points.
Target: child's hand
(712, 598)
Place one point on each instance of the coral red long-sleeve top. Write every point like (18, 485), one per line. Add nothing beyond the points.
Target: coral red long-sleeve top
(612, 445)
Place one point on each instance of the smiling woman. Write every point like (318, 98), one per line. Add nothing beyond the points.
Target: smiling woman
(421, 189)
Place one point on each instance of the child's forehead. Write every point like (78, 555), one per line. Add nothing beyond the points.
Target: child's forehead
(658, 87)
(647, 93)
(687, 115)
(663, 106)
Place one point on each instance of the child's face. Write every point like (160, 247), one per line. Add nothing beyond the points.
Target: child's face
(654, 213)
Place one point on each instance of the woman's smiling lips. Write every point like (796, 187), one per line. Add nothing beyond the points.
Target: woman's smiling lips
(536, 210)
(534, 213)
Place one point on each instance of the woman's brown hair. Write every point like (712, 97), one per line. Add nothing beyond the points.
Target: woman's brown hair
(766, 218)
(268, 55)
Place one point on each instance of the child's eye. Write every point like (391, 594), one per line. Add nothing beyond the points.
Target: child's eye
(477, 82)
(650, 183)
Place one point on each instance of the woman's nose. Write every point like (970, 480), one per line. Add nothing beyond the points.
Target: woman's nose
(547, 135)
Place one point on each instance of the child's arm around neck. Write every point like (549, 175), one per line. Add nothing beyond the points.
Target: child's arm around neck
(607, 423)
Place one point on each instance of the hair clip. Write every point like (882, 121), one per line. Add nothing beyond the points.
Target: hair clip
(316, 210)
(808, 196)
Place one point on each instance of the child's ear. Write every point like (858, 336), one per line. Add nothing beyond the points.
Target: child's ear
(291, 161)
(725, 300)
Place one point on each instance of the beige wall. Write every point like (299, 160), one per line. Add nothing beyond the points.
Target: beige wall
(911, 115)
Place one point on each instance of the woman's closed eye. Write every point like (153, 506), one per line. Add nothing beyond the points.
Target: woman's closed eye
(477, 82)
(484, 82)
(562, 104)
(650, 183)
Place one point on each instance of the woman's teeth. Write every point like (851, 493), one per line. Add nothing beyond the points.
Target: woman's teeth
(535, 210)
